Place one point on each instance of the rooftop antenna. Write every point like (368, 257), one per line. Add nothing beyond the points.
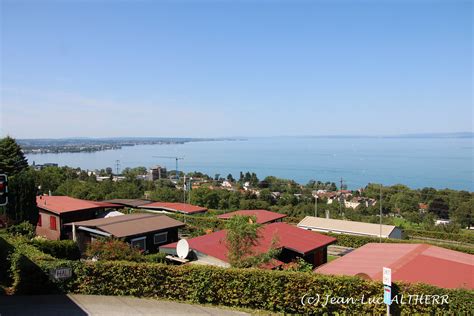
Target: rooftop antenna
(175, 158)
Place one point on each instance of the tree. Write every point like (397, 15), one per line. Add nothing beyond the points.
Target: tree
(439, 207)
(242, 236)
(12, 159)
(403, 202)
(230, 178)
(21, 183)
(464, 214)
(22, 197)
(166, 194)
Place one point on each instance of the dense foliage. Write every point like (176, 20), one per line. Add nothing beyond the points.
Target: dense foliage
(250, 288)
(113, 249)
(21, 185)
(61, 249)
(22, 229)
(12, 159)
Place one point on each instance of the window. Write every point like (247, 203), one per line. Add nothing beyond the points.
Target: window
(160, 238)
(139, 243)
(52, 223)
(39, 220)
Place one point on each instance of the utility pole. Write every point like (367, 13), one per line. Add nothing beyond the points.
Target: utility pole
(117, 167)
(380, 237)
(189, 190)
(184, 189)
(315, 205)
(340, 198)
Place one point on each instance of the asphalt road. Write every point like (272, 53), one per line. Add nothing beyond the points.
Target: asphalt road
(80, 305)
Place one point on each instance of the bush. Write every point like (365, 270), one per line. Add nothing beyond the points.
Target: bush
(279, 291)
(113, 249)
(28, 268)
(6, 250)
(23, 229)
(61, 249)
(158, 257)
(466, 238)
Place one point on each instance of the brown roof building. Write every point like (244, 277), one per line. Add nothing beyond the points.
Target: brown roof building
(134, 203)
(146, 231)
(56, 211)
(262, 216)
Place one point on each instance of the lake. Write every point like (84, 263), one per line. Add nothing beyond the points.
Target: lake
(416, 162)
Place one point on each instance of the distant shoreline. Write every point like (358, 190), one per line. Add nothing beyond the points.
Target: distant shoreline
(90, 145)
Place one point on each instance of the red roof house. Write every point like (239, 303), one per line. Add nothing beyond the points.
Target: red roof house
(182, 208)
(293, 242)
(55, 211)
(263, 216)
(411, 263)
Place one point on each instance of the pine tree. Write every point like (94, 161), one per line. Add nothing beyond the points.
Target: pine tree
(12, 159)
(21, 182)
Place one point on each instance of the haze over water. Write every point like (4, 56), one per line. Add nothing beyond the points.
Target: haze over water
(416, 162)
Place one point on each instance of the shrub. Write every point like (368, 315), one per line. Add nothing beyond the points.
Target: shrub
(23, 229)
(113, 249)
(466, 238)
(279, 291)
(158, 257)
(299, 265)
(61, 249)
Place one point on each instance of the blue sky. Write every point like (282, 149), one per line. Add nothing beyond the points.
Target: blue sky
(228, 68)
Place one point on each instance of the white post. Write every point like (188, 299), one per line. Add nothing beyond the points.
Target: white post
(74, 237)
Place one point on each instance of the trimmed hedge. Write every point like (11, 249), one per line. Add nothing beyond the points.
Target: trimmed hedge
(61, 249)
(358, 241)
(28, 267)
(252, 288)
(465, 238)
(279, 291)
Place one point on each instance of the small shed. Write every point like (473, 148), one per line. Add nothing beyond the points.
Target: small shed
(145, 231)
(337, 226)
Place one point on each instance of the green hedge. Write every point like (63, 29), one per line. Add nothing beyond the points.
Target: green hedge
(251, 288)
(28, 267)
(413, 233)
(6, 249)
(278, 291)
(358, 241)
(61, 249)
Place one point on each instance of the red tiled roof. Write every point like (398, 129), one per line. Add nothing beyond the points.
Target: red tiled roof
(284, 235)
(423, 206)
(409, 263)
(63, 204)
(175, 207)
(263, 216)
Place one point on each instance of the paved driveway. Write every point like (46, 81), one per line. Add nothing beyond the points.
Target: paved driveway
(80, 305)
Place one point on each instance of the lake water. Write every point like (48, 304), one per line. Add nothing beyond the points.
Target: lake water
(416, 162)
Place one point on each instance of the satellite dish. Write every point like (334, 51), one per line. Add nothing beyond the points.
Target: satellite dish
(182, 249)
